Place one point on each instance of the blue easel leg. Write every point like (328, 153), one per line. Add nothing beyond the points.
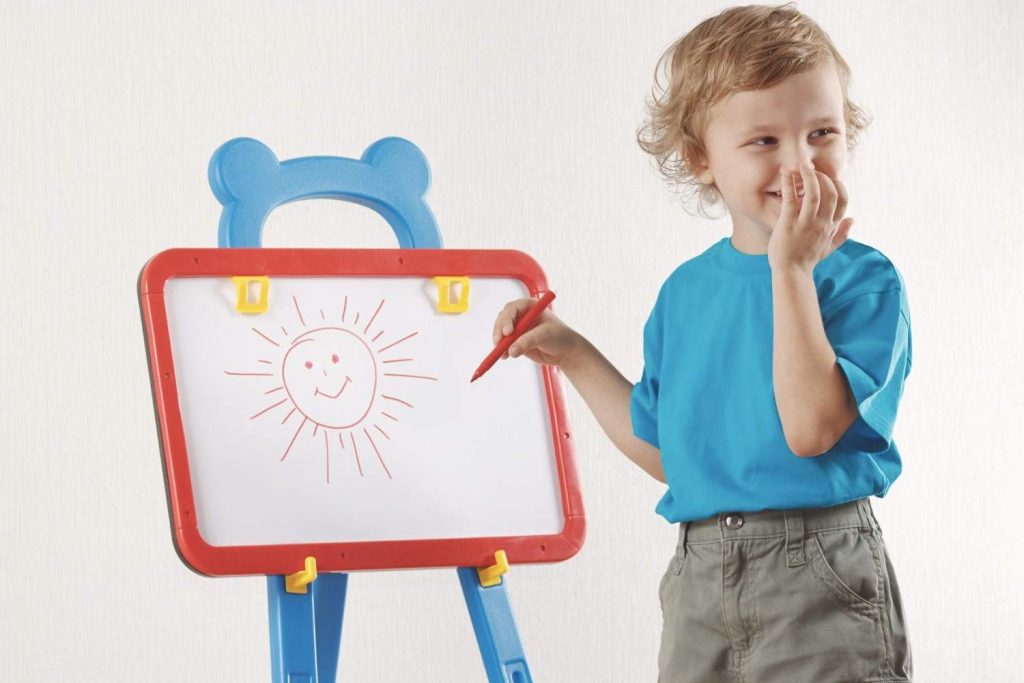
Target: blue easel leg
(305, 629)
(495, 629)
(329, 610)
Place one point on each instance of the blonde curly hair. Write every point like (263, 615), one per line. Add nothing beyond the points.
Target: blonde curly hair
(752, 47)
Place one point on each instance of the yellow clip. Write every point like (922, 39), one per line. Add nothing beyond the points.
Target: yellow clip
(491, 576)
(243, 305)
(297, 582)
(444, 294)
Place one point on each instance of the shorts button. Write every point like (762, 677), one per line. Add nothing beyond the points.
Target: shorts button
(734, 521)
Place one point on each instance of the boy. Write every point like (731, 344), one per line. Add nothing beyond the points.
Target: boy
(773, 366)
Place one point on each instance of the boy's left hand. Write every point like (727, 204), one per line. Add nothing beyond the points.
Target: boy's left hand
(805, 238)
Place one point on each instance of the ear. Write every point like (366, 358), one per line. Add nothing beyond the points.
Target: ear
(702, 172)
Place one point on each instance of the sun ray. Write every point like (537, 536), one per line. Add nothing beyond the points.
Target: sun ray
(270, 391)
(304, 420)
(373, 317)
(356, 321)
(397, 342)
(283, 400)
(379, 335)
(322, 314)
(316, 426)
(392, 398)
(265, 362)
(345, 309)
(341, 440)
(399, 360)
(284, 330)
(395, 374)
(248, 374)
(389, 415)
(356, 449)
(288, 415)
(382, 432)
(301, 319)
(370, 439)
(265, 337)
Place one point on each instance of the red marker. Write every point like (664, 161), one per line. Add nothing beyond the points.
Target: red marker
(524, 324)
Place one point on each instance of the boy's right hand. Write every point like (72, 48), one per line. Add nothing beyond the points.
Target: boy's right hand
(549, 342)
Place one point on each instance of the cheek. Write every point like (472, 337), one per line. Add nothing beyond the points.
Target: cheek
(833, 163)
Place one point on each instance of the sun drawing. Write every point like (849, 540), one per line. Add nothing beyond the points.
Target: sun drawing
(327, 382)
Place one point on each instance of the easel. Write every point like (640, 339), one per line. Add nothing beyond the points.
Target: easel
(306, 610)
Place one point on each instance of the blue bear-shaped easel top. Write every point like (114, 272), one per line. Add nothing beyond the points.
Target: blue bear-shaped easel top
(391, 178)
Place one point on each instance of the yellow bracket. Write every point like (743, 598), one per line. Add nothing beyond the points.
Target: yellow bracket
(297, 582)
(491, 576)
(242, 282)
(444, 294)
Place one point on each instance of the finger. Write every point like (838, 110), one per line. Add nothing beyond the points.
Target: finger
(499, 322)
(812, 194)
(829, 195)
(788, 198)
(506, 319)
(529, 341)
(844, 199)
(515, 310)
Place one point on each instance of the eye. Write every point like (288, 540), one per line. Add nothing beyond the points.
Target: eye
(827, 131)
(334, 358)
(308, 365)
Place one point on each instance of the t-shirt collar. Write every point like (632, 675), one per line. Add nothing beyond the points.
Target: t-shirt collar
(737, 261)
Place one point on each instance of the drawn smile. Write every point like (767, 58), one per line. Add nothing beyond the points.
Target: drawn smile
(317, 392)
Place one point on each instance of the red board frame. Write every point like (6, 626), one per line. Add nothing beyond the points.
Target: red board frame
(334, 557)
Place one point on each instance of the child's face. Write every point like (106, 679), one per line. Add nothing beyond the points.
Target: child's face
(745, 164)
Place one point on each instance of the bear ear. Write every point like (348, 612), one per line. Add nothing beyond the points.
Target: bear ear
(240, 167)
(402, 163)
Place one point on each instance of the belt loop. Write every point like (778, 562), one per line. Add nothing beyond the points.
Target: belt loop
(867, 515)
(794, 538)
(865, 525)
(686, 530)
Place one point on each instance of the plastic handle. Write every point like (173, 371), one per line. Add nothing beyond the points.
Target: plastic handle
(391, 178)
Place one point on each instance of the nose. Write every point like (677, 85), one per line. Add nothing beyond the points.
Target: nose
(795, 167)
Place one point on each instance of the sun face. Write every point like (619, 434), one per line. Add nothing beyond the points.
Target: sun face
(331, 379)
(330, 375)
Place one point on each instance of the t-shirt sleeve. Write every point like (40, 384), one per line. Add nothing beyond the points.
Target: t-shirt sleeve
(870, 335)
(643, 400)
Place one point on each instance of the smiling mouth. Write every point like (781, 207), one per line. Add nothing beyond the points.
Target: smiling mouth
(317, 392)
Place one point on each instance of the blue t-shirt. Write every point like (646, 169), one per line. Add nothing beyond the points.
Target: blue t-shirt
(706, 397)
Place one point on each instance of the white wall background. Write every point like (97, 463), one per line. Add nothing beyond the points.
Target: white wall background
(527, 113)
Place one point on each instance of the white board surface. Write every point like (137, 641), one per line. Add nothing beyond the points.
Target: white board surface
(344, 413)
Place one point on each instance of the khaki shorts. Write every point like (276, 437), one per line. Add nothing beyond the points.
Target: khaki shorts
(793, 596)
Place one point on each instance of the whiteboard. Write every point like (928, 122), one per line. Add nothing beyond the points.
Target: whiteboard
(343, 413)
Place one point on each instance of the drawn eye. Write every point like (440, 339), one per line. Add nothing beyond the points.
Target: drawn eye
(309, 364)
(334, 358)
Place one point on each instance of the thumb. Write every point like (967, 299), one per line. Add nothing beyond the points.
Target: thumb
(527, 342)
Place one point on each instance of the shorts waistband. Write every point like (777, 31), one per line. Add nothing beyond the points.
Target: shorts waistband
(767, 523)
